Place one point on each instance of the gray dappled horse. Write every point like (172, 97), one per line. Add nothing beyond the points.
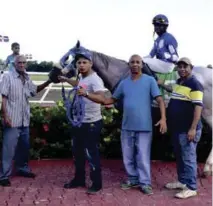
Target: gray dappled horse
(113, 70)
(110, 69)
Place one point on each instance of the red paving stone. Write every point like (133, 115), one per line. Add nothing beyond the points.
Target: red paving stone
(47, 188)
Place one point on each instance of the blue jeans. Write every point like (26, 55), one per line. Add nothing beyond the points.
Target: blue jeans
(136, 148)
(186, 158)
(15, 143)
(85, 144)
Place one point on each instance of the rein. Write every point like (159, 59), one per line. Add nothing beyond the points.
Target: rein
(75, 107)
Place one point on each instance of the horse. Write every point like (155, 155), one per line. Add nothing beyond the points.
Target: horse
(112, 70)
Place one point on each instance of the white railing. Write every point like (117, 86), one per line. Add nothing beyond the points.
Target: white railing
(34, 73)
(52, 86)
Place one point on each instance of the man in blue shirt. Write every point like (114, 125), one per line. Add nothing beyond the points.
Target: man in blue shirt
(164, 49)
(10, 61)
(137, 92)
(184, 115)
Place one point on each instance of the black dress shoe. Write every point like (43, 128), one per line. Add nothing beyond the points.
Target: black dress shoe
(94, 189)
(74, 184)
(26, 174)
(5, 183)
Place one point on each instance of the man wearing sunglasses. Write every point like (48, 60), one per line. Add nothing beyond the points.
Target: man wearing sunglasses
(16, 88)
(137, 92)
(184, 119)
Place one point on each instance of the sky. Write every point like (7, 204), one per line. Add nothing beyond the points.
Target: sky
(49, 28)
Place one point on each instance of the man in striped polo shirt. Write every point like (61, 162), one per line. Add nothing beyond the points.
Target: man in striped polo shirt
(16, 88)
(184, 121)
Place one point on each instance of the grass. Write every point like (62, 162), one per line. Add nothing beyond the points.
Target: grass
(44, 77)
(35, 77)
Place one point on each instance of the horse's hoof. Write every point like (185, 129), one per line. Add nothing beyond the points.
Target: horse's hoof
(207, 173)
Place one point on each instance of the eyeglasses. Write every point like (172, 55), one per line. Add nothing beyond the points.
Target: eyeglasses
(22, 62)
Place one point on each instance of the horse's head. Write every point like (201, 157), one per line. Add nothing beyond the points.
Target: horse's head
(71, 53)
(70, 65)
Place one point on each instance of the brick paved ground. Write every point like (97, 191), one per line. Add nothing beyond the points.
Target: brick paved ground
(47, 188)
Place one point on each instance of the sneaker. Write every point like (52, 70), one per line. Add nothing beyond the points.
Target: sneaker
(125, 185)
(5, 183)
(146, 189)
(26, 174)
(74, 184)
(175, 185)
(93, 190)
(186, 193)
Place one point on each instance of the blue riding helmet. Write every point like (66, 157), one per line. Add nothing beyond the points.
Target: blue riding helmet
(160, 19)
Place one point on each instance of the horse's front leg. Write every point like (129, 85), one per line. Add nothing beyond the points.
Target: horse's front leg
(207, 171)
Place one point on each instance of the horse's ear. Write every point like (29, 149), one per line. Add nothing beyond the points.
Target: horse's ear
(78, 44)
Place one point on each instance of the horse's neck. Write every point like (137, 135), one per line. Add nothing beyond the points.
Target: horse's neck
(110, 69)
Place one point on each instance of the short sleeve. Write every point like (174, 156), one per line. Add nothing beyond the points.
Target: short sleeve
(155, 91)
(5, 85)
(32, 88)
(196, 93)
(98, 85)
(118, 91)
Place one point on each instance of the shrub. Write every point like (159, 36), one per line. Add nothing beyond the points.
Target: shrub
(51, 134)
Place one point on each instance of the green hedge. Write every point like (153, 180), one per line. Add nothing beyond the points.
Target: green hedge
(51, 136)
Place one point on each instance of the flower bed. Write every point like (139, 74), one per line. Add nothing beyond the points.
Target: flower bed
(51, 135)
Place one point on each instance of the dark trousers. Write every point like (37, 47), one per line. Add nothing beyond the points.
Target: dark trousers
(85, 144)
(162, 144)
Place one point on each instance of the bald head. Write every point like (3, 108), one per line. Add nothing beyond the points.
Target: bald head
(136, 56)
(20, 63)
(136, 64)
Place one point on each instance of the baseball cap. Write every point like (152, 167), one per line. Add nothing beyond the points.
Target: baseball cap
(185, 60)
(83, 53)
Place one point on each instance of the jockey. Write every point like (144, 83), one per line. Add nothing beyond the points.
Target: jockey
(166, 56)
(164, 49)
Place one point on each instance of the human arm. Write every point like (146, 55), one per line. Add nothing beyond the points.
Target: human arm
(168, 87)
(4, 90)
(70, 81)
(99, 97)
(42, 86)
(6, 63)
(34, 89)
(155, 93)
(6, 118)
(172, 54)
(197, 99)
